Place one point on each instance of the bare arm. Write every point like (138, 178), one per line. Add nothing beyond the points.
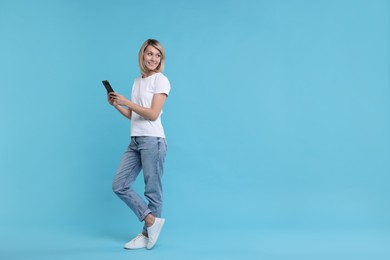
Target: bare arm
(123, 110)
(151, 113)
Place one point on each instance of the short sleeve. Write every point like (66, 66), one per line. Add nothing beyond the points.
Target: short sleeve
(162, 85)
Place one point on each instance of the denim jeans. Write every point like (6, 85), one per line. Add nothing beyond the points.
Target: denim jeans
(146, 153)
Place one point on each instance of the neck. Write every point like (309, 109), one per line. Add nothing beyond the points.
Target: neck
(149, 73)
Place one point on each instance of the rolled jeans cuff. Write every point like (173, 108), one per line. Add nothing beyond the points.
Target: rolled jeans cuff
(147, 212)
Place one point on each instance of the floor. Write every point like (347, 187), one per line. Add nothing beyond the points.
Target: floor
(267, 244)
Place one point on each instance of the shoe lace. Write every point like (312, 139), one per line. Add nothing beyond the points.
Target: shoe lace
(138, 237)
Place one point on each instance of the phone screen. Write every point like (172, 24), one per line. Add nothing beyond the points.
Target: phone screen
(107, 86)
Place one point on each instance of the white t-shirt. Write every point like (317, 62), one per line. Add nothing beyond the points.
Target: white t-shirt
(142, 94)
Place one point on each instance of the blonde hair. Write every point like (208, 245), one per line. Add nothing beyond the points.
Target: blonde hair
(156, 44)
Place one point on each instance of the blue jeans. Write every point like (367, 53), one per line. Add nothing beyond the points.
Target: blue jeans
(146, 153)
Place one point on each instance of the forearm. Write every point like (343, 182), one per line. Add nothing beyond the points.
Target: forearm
(151, 113)
(124, 111)
(148, 113)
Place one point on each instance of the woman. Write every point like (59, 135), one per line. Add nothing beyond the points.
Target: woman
(147, 149)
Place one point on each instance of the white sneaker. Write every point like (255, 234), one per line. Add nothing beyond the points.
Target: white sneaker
(139, 241)
(154, 232)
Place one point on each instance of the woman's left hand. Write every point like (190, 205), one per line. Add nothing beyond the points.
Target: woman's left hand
(119, 99)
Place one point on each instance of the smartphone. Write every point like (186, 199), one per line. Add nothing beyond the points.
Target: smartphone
(107, 86)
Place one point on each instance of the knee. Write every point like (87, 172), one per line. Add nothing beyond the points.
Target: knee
(117, 188)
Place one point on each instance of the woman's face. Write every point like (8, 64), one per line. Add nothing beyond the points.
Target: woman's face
(152, 58)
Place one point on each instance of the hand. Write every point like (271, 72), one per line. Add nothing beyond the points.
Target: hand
(118, 99)
(111, 100)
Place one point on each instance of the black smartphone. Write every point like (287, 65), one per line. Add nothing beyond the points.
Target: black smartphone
(107, 86)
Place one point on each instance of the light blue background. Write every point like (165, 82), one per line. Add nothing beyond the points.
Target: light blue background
(278, 127)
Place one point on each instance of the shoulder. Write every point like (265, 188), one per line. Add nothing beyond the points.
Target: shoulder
(161, 79)
(161, 76)
(137, 79)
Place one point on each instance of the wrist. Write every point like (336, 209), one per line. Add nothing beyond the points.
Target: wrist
(129, 104)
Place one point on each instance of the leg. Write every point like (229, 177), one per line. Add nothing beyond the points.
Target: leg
(153, 166)
(152, 158)
(129, 168)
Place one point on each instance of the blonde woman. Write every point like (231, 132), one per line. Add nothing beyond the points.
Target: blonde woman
(148, 147)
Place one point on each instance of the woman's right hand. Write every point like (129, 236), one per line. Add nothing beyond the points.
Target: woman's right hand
(111, 101)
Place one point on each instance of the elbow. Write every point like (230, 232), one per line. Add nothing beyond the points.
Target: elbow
(154, 116)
